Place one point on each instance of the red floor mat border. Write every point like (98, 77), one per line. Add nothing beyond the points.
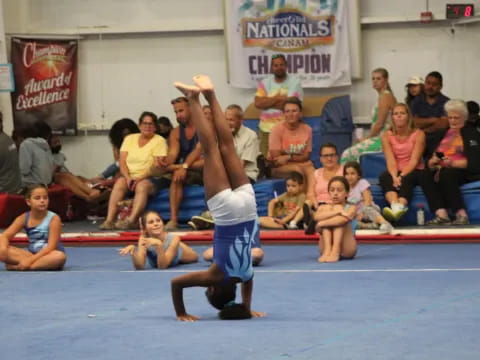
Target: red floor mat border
(283, 237)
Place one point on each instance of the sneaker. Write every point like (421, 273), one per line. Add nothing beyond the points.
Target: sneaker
(199, 223)
(192, 225)
(385, 228)
(461, 220)
(205, 216)
(438, 221)
(204, 221)
(388, 214)
(292, 225)
(394, 215)
(400, 213)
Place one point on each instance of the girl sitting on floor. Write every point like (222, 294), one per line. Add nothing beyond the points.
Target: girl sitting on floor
(335, 225)
(368, 213)
(161, 249)
(45, 250)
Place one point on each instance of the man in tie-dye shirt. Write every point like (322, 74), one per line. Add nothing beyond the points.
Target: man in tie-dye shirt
(272, 92)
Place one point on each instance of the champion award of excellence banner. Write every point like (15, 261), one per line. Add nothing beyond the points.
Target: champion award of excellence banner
(45, 74)
(312, 34)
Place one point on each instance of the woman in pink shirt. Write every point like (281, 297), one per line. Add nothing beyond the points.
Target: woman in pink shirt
(290, 145)
(403, 146)
(330, 168)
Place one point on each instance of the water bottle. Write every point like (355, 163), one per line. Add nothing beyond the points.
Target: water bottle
(420, 215)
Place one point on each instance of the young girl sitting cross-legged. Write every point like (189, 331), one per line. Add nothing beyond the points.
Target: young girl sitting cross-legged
(45, 250)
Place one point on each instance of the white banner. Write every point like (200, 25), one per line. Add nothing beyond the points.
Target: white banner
(312, 34)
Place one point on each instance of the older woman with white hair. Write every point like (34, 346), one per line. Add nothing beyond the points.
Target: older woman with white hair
(453, 159)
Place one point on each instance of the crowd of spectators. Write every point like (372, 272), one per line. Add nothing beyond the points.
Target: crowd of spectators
(429, 140)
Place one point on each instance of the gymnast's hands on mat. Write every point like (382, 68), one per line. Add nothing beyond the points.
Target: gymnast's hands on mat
(127, 250)
(258, 313)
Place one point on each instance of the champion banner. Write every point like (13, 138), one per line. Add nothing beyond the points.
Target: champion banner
(312, 34)
(45, 83)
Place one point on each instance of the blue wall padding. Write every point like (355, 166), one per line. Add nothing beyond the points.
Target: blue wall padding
(194, 199)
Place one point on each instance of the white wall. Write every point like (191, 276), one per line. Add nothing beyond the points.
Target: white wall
(139, 67)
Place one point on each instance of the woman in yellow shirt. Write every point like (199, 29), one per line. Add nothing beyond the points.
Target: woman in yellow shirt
(138, 154)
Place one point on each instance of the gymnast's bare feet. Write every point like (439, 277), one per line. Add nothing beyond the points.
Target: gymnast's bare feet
(190, 91)
(204, 83)
(333, 257)
(323, 258)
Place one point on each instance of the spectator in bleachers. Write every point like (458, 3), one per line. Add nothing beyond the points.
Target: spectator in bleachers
(428, 108)
(453, 159)
(403, 146)
(10, 181)
(330, 168)
(207, 110)
(119, 130)
(285, 211)
(368, 213)
(138, 156)
(17, 138)
(245, 141)
(79, 186)
(414, 88)
(271, 95)
(290, 145)
(35, 157)
(380, 118)
(184, 162)
(473, 114)
(164, 127)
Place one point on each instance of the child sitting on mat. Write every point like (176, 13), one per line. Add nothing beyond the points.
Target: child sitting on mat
(336, 223)
(368, 213)
(284, 212)
(45, 250)
(161, 249)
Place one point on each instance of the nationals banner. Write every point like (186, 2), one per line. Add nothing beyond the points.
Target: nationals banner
(312, 34)
(45, 74)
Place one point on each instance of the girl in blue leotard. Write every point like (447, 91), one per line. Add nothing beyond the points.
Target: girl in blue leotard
(157, 247)
(336, 223)
(231, 201)
(43, 228)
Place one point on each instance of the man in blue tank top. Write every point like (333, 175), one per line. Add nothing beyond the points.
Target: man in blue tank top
(184, 161)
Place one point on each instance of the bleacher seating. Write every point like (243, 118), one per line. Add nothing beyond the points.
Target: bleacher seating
(331, 121)
(194, 199)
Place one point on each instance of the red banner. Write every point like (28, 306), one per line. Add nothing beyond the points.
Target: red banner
(45, 74)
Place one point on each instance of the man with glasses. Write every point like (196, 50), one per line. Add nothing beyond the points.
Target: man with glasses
(272, 92)
(184, 161)
(9, 168)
